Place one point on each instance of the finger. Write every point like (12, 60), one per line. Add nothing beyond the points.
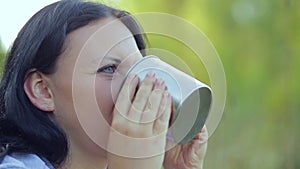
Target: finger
(141, 98)
(202, 136)
(153, 104)
(199, 149)
(162, 122)
(123, 102)
(204, 129)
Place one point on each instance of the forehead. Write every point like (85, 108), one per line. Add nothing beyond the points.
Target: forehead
(98, 38)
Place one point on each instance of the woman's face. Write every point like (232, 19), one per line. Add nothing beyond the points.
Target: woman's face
(89, 75)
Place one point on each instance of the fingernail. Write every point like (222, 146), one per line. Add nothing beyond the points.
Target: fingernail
(151, 74)
(160, 82)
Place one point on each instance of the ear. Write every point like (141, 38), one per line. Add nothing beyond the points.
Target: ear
(37, 90)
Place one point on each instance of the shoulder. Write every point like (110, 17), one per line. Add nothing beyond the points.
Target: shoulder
(24, 161)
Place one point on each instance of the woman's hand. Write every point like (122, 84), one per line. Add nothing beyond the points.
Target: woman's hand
(187, 156)
(137, 138)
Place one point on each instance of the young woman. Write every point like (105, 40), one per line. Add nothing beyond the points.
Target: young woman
(70, 56)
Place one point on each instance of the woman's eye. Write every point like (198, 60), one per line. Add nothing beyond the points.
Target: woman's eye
(108, 69)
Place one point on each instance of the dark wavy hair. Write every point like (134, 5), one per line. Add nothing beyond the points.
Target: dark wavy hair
(23, 127)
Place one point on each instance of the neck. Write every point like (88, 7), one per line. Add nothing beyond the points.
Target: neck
(79, 158)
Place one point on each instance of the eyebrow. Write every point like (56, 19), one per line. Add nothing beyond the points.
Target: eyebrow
(113, 59)
(118, 61)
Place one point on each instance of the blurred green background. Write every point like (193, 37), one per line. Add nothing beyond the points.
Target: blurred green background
(258, 42)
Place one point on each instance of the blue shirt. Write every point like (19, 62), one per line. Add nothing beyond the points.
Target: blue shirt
(24, 161)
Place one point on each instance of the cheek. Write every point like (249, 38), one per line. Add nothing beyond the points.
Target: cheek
(106, 92)
(64, 110)
(104, 98)
(77, 113)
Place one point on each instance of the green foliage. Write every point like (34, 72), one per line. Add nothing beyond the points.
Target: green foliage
(2, 57)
